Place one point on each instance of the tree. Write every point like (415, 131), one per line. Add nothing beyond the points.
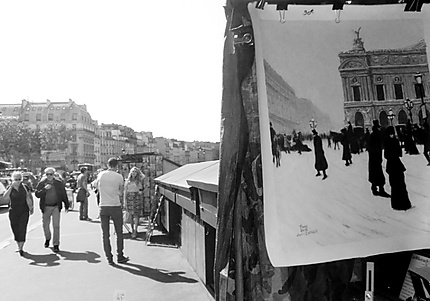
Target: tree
(14, 140)
(55, 137)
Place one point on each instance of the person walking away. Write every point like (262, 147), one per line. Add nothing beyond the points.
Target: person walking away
(52, 194)
(426, 141)
(376, 174)
(110, 185)
(133, 196)
(346, 152)
(83, 194)
(20, 208)
(395, 169)
(320, 160)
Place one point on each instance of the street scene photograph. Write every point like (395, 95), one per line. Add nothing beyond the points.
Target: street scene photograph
(99, 99)
(345, 135)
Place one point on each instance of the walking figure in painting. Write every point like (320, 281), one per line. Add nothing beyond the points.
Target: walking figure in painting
(376, 174)
(272, 141)
(396, 170)
(346, 154)
(320, 160)
(426, 141)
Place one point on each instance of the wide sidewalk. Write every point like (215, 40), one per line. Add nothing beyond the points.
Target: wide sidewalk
(80, 271)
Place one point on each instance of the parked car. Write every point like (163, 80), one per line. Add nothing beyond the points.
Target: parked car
(4, 183)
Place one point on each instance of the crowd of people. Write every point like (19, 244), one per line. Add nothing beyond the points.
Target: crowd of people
(115, 195)
(380, 144)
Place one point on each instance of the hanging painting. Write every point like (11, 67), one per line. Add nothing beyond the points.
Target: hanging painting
(342, 106)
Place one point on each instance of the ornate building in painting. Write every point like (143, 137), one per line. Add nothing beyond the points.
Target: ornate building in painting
(377, 83)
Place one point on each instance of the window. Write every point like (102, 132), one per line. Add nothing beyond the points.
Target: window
(26, 117)
(50, 117)
(38, 117)
(356, 93)
(74, 116)
(380, 92)
(398, 91)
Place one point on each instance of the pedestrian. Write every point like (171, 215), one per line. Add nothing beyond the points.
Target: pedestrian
(20, 208)
(83, 194)
(272, 140)
(346, 153)
(110, 185)
(320, 160)
(395, 169)
(133, 196)
(376, 174)
(52, 195)
(409, 142)
(426, 141)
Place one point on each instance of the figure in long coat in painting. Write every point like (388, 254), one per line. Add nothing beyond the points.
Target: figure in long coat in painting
(320, 160)
(346, 154)
(396, 172)
(376, 174)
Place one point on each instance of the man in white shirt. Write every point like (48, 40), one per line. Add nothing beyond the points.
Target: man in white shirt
(110, 185)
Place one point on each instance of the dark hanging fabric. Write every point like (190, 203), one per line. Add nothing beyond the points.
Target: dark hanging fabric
(234, 136)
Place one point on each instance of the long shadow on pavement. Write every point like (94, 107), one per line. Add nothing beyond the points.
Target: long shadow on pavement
(50, 260)
(159, 275)
(88, 256)
(42, 260)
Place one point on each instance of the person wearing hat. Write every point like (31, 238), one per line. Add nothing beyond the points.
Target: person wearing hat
(346, 151)
(376, 174)
(320, 160)
(396, 172)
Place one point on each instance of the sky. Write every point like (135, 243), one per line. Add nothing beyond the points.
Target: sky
(305, 53)
(150, 65)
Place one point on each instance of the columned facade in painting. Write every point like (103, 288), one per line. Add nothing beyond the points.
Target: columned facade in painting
(379, 80)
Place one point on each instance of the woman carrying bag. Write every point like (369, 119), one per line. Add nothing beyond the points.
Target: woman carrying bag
(133, 196)
(20, 208)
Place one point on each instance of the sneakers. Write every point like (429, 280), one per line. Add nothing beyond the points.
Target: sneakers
(123, 259)
(47, 243)
(110, 261)
(56, 249)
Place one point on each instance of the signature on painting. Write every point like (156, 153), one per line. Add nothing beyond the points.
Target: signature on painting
(305, 231)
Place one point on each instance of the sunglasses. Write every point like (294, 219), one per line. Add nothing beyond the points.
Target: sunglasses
(49, 174)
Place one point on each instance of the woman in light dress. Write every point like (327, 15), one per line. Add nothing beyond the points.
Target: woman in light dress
(133, 196)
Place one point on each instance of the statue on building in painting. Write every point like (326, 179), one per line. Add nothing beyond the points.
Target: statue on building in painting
(358, 42)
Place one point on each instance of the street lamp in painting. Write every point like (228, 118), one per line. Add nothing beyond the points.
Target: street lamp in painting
(313, 124)
(409, 105)
(390, 116)
(419, 79)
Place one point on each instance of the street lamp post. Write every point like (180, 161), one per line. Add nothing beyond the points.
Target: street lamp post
(419, 79)
(390, 116)
(313, 124)
(409, 105)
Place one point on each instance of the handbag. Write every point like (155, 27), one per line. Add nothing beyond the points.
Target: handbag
(82, 194)
(29, 200)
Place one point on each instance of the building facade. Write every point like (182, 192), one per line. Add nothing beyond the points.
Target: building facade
(377, 83)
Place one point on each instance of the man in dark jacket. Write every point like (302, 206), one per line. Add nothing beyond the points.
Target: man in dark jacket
(52, 195)
(376, 174)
